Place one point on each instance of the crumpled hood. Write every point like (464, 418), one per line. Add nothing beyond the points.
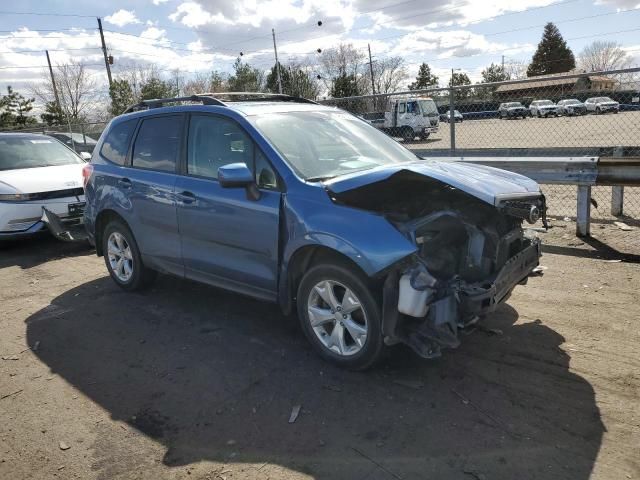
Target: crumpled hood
(41, 179)
(491, 185)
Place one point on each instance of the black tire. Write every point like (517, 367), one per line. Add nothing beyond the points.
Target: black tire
(141, 276)
(598, 111)
(373, 349)
(408, 134)
(424, 136)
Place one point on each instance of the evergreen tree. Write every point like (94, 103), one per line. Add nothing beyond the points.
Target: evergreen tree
(52, 114)
(553, 55)
(246, 78)
(494, 73)
(14, 109)
(121, 95)
(295, 81)
(460, 79)
(156, 88)
(344, 86)
(425, 78)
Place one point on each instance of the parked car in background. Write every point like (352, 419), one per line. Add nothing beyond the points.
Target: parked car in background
(571, 106)
(601, 105)
(457, 117)
(512, 110)
(37, 171)
(311, 207)
(81, 142)
(543, 108)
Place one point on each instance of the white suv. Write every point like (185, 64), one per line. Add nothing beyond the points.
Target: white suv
(543, 108)
(600, 105)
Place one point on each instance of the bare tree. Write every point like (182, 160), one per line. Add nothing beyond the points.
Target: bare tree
(76, 90)
(205, 82)
(389, 74)
(603, 55)
(516, 69)
(343, 61)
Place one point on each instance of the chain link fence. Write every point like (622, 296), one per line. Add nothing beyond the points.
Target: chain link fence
(567, 115)
(561, 116)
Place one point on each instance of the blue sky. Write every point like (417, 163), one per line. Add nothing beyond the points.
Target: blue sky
(200, 35)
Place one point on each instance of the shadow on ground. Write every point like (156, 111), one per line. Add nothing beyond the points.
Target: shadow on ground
(211, 375)
(32, 251)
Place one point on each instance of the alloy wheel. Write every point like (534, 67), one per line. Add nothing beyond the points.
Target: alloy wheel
(337, 318)
(120, 257)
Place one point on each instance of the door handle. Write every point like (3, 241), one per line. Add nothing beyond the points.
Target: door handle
(124, 183)
(187, 197)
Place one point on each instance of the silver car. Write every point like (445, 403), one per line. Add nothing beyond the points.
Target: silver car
(600, 105)
(571, 106)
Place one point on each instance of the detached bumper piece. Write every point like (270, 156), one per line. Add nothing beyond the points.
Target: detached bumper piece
(456, 305)
(69, 229)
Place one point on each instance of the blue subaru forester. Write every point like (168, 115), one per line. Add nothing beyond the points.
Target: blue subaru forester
(309, 206)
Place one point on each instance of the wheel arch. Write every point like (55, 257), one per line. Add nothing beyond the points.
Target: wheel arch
(302, 260)
(102, 220)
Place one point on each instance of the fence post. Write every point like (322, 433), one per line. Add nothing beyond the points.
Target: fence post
(583, 220)
(617, 200)
(452, 123)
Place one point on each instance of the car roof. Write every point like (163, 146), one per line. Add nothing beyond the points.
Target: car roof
(244, 108)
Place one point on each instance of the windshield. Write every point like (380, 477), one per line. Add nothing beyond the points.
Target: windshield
(603, 99)
(513, 104)
(30, 152)
(570, 102)
(324, 144)
(545, 102)
(428, 107)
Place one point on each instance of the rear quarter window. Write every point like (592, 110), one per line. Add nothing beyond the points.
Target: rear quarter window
(116, 144)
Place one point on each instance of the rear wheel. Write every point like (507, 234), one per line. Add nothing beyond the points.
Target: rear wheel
(340, 316)
(122, 257)
(598, 111)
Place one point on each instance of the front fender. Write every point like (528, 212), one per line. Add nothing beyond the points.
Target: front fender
(367, 238)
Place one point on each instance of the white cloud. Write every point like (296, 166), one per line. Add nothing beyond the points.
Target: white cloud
(122, 17)
(159, 2)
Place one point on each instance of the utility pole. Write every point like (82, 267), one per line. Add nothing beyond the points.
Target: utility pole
(502, 64)
(104, 51)
(275, 50)
(53, 82)
(373, 84)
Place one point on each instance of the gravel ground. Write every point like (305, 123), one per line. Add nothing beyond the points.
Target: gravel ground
(186, 381)
(609, 130)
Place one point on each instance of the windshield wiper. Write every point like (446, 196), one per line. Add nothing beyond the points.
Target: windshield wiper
(319, 179)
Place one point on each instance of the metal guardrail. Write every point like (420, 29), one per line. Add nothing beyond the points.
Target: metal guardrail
(584, 172)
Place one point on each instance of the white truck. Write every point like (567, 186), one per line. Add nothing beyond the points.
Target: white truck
(407, 118)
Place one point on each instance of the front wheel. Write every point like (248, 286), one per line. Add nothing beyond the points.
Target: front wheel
(340, 316)
(122, 257)
(407, 134)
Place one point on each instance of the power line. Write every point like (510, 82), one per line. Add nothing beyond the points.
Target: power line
(51, 50)
(47, 14)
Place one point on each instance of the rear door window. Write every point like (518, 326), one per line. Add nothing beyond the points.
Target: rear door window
(116, 144)
(158, 142)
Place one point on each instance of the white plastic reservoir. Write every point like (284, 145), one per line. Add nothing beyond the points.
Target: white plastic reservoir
(411, 301)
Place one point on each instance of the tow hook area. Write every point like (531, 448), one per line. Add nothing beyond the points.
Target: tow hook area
(63, 229)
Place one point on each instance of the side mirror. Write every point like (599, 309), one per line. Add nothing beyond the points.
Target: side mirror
(86, 156)
(235, 175)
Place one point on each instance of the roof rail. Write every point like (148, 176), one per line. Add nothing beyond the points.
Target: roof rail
(206, 99)
(258, 96)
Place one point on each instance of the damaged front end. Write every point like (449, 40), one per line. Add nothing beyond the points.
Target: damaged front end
(470, 255)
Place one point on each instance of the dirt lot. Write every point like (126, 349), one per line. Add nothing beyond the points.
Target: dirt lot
(608, 130)
(186, 381)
